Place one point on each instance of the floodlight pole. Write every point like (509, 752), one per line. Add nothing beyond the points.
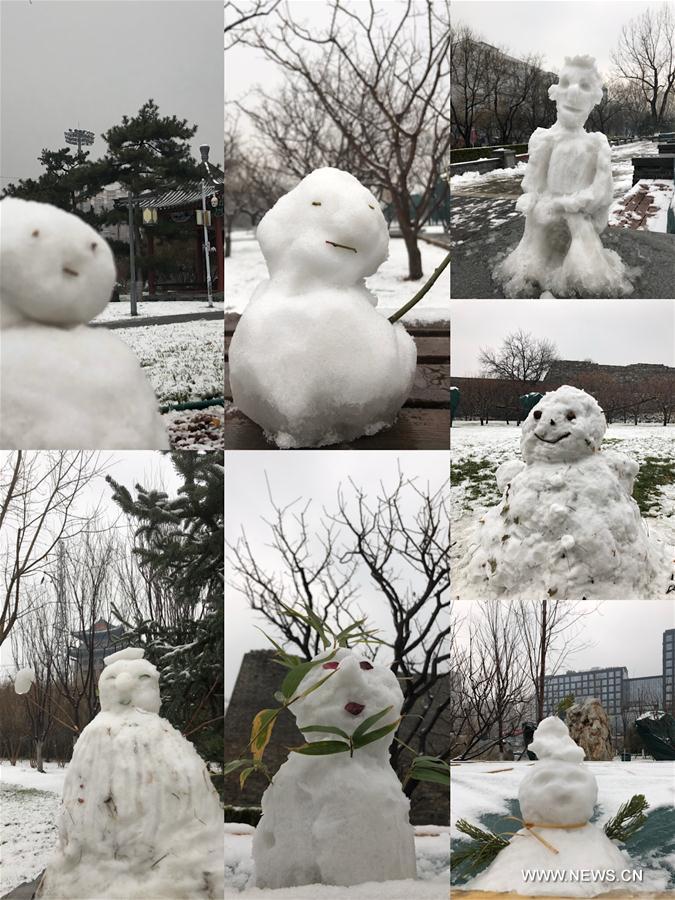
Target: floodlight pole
(204, 150)
(132, 257)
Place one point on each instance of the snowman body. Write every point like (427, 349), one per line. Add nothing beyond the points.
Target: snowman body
(567, 525)
(140, 818)
(311, 360)
(559, 794)
(338, 819)
(62, 384)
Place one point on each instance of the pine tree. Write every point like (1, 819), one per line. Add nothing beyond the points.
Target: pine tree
(179, 545)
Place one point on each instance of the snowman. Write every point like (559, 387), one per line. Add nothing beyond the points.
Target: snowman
(338, 819)
(140, 817)
(567, 193)
(567, 525)
(557, 798)
(64, 385)
(311, 360)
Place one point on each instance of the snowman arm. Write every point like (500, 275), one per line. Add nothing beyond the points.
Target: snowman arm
(623, 467)
(507, 472)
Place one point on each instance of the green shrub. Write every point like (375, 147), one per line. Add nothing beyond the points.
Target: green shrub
(467, 154)
(247, 815)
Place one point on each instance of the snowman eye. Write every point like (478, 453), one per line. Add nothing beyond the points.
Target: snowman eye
(316, 203)
(370, 206)
(537, 414)
(365, 665)
(570, 416)
(143, 676)
(330, 665)
(36, 233)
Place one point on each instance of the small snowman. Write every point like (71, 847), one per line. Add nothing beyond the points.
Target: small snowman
(567, 525)
(64, 385)
(311, 360)
(140, 817)
(557, 798)
(338, 819)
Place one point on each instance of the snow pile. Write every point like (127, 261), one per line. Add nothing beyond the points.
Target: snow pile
(567, 525)
(567, 194)
(140, 818)
(338, 819)
(311, 360)
(62, 384)
(23, 680)
(469, 178)
(558, 794)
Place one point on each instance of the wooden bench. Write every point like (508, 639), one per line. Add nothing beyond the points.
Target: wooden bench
(423, 423)
(651, 167)
(638, 209)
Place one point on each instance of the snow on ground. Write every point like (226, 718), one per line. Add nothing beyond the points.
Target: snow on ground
(122, 310)
(478, 450)
(661, 195)
(202, 428)
(246, 268)
(29, 803)
(184, 361)
(432, 850)
(484, 178)
(487, 789)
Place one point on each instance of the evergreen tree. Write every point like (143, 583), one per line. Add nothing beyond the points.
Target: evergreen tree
(179, 544)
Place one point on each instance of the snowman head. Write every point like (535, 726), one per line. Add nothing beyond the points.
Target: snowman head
(129, 682)
(328, 229)
(558, 789)
(56, 269)
(358, 688)
(578, 90)
(566, 425)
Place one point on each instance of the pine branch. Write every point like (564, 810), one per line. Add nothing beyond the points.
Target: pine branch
(485, 848)
(630, 817)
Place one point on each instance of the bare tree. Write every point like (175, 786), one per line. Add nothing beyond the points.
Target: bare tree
(472, 61)
(385, 88)
(521, 357)
(37, 496)
(404, 554)
(548, 634)
(238, 15)
(645, 57)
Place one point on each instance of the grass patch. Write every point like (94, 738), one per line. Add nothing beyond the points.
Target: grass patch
(655, 473)
(20, 792)
(477, 476)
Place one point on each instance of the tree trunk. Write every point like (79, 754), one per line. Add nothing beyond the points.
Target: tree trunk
(414, 254)
(228, 246)
(38, 755)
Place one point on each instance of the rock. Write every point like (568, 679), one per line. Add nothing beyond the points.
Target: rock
(588, 725)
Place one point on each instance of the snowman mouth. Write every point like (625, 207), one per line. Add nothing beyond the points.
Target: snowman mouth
(342, 246)
(70, 271)
(555, 440)
(354, 708)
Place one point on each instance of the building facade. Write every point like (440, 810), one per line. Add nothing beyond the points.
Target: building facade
(605, 684)
(669, 671)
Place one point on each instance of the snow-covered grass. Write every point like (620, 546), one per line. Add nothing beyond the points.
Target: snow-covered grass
(121, 309)
(184, 361)
(484, 178)
(477, 451)
(29, 802)
(431, 847)
(482, 791)
(246, 268)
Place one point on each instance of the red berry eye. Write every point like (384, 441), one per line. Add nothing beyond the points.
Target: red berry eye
(365, 665)
(330, 665)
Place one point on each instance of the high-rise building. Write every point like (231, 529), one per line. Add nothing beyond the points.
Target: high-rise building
(605, 684)
(669, 671)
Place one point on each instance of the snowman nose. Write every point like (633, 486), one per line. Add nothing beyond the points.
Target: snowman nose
(124, 681)
(93, 246)
(552, 421)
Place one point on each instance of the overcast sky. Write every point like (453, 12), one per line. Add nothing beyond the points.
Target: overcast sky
(613, 332)
(553, 28)
(618, 634)
(312, 475)
(68, 64)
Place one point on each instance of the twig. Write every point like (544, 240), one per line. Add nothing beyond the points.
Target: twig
(422, 291)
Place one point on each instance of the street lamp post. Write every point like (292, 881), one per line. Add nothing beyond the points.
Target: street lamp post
(204, 150)
(132, 256)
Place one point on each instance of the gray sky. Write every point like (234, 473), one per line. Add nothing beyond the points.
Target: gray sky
(613, 332)
(619, 634)
(555, 29)
(312, 475)
(70, 63)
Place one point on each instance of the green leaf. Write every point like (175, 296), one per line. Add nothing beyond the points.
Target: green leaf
(296, 674)
(322, 748)
(375, 735)
(244, 775)
(421, 774)
(235, 764)
(365, 725)
(261, 731)
(328, 729)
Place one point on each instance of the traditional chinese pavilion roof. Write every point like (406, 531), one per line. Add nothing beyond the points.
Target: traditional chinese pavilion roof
(176, 198)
